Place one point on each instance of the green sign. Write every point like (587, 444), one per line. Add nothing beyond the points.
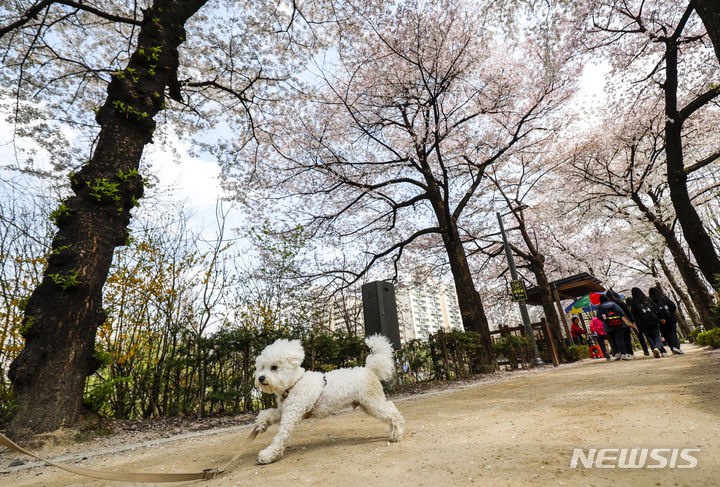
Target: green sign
(517, 288)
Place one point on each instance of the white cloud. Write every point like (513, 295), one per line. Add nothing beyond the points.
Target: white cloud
(194, 182)
(189, 178)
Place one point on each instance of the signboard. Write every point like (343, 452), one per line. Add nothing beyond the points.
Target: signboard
(517, 288)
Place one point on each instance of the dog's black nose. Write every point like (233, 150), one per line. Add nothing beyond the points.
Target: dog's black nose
(261, 379)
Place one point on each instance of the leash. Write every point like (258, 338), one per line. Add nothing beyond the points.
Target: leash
(207, 474)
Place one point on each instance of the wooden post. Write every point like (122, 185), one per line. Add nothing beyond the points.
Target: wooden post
(562, 312)
(582, 320)
(550, 342)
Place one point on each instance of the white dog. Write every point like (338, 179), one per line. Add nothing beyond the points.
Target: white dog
(302, 394)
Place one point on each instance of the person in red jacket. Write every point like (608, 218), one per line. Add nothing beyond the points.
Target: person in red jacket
(576, 331)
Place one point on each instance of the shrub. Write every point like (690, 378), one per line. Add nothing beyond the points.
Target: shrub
(694, 334)
(98, 393)
(514, 348)
(577, 352)
(710, 338)
(415, 361)
(7, 405)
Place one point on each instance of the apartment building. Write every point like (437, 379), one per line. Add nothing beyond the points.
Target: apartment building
(343, 313)
(425, 309)
(422, 310)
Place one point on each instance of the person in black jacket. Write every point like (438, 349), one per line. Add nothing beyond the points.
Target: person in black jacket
(611, 315)
(615, 298)
(646, 317)
(668, 319)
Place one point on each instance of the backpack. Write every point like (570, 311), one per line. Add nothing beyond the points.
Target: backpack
(666, 310)
(612, 319)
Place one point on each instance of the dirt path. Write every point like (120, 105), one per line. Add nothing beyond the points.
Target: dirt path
(515, 431)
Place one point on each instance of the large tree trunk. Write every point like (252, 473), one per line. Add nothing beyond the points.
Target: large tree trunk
(471, 307)
(536, 264)
(709, 12)
(64, 312)
(469, 302)
(700, 243)
(472, 311)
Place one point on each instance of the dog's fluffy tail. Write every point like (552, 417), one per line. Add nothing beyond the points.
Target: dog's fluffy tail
(380, 361)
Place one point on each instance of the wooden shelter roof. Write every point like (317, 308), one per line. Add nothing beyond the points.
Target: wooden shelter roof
(571, 287)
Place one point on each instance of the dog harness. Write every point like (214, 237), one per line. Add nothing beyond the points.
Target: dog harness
(285, 394)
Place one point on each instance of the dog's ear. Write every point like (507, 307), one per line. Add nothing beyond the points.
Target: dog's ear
(297, 354)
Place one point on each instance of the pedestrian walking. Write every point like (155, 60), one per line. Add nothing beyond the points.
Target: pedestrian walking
(668, 318)
(611, 315)
(646, 317)
(629, 322)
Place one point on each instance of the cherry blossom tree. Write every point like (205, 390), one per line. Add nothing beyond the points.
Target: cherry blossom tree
(109, 69)
(519, 189)
(662, 44)
(620, 171)
(389, 155)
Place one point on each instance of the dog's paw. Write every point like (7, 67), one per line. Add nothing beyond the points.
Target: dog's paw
(268, 455)
(397, 432)
(263, 420)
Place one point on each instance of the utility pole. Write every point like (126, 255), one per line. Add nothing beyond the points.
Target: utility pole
(521, 303)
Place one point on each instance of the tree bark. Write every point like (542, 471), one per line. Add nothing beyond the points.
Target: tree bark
(65, 310)
(700, 243)
(202, 376)
(469, 302)
(682, 321)
(472, 311)
(709, 12)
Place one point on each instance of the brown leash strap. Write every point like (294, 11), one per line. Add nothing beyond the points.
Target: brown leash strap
(253, 434)
(209, 473)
